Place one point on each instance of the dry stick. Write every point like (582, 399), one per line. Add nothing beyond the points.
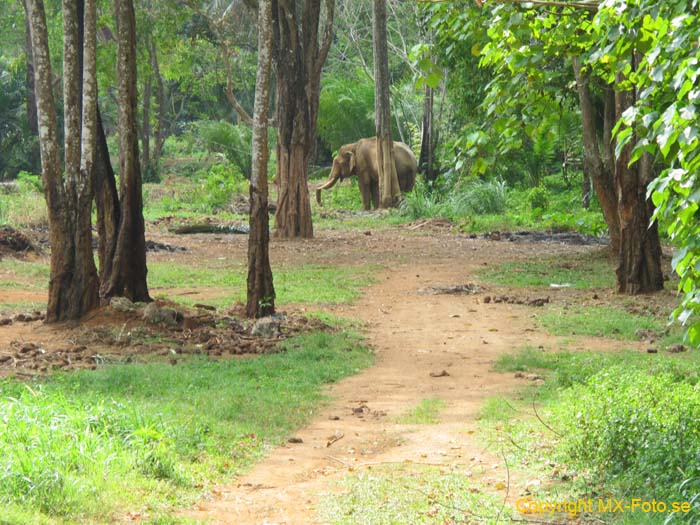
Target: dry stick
(534, 408)
(505, 499)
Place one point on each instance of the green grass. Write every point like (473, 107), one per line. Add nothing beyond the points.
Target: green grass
(80, 447)
(621, 424)
(427, 412)
(310, 284)
(590, 271)
(604, 321)
(403, 494)
(24, 209)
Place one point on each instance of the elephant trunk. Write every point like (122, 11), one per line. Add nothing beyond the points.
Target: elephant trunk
(335, 175)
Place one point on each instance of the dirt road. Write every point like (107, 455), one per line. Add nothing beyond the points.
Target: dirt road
(428, 346)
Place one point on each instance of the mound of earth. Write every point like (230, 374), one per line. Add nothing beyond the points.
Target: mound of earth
(13, 242)
(125, 331)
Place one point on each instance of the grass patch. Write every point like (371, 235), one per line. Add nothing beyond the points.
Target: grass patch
(16, 274)
(603, 321)
(397, 495)
(80, 447)
(427, 412)
(623, 423)
(310, 284)
(25, 209)
(584, 272)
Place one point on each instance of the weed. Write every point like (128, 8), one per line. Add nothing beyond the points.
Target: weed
(400, 494)
(427, 412)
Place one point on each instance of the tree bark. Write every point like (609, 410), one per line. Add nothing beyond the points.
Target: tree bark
(428, 139)
(128, 272)
(595, 166)
(389, 191)
(73, 279)
(298, 60)
(35, 159)
(161, 104)
(261, 292)
(146, 119)
(639, 267)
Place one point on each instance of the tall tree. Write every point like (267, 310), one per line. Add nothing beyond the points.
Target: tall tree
(128, 268)
(261, 292)
(73, 283)
(300, 50)
(389, 191)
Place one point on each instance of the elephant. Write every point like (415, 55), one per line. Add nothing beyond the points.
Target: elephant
(360, 158)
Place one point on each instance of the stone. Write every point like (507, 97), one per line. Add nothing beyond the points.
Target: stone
(154, 314)
(267, 327)
(122, 304)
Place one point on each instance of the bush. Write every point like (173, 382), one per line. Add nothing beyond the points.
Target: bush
(218, 188)
(538, 198)
(234, 142)
(482, 197)
(633, 425)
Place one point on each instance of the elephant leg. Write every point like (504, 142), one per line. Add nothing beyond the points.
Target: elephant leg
(365, 192)
(375, 195)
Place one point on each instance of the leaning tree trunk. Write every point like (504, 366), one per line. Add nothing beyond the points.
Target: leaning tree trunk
(639, 268)
(261, 292)
(389, 191)
(595, 165)
(128, 271)
(298, 60)
(73, 281)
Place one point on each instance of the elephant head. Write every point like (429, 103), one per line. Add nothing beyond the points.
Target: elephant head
(343, 167)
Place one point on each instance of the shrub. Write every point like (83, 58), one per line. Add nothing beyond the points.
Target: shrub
(234, 142)
(538, 198)
(633, 425)
(482, 197)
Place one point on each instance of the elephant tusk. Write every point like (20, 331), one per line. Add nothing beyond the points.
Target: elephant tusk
(318, 196)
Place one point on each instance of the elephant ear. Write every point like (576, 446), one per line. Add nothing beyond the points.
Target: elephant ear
(353, 165)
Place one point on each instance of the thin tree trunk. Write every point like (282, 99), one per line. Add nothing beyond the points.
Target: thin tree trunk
(161, 105)
(389, 191)
(261, 291)
(427, 145)
(146, 121)
(594, 165)
(35, 159)
(128, 276)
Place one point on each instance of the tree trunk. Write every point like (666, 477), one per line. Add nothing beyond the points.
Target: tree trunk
(389, 191)
(106, 203)
(639, 268)
(594, 165)
(73, 280)
(261, 291)
(146, 121)
(34, 160)
(428, 142)
(298, 60)
(128, 272)
(161, 105)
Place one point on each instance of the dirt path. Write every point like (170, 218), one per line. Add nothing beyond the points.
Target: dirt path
(415, 335)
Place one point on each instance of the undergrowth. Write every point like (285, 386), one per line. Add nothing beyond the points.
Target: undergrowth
(612, 424)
